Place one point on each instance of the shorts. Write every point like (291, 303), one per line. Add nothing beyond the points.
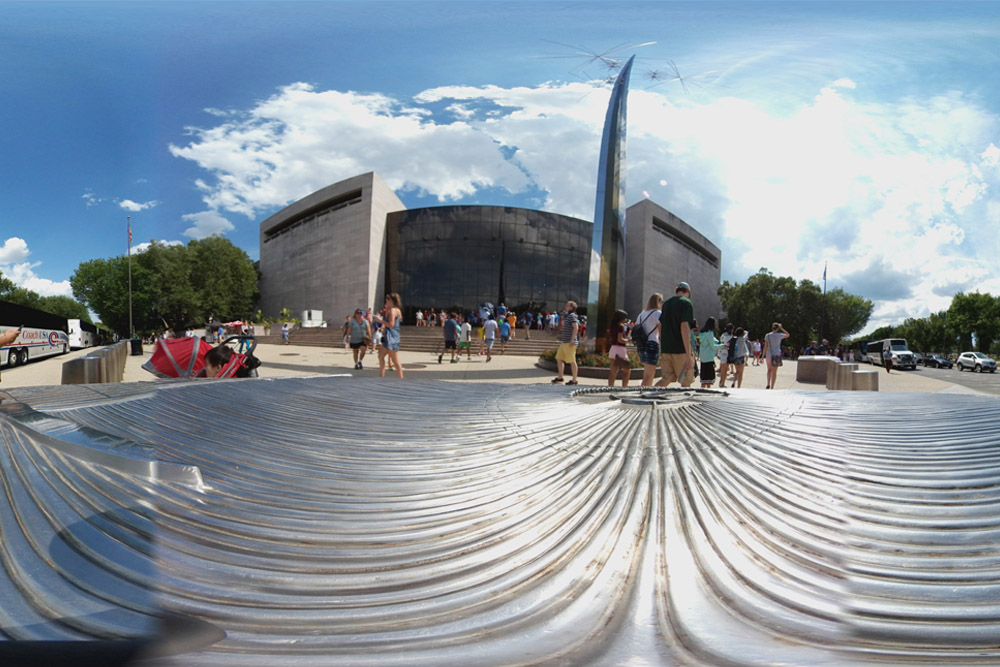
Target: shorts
(618, 352)
(464, 344)
(390, 340)
(450, 345)
(566, 353)
(649, 353)
(738, 361)
(355, 346)
(708, 371)
(674, 371)
(504, 339)
(489, 343)
(774, 359)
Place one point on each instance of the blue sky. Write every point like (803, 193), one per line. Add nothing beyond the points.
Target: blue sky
(864, 135)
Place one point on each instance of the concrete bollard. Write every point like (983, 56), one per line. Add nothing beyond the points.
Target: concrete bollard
(843, 381)
(864, 380)
(83, 370)
(813, 369)
(831, 375)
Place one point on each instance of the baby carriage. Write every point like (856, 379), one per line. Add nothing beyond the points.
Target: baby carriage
(185, 358)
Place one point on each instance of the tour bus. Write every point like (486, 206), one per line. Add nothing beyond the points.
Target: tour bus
(42, 334)
(860, 349)
(81, 334)
(901, 355)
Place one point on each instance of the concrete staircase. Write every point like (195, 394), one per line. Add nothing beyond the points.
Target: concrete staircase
(416, 339)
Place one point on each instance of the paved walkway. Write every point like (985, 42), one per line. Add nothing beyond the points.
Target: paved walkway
(292, 360)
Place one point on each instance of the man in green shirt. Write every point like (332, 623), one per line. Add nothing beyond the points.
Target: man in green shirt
(676, 320)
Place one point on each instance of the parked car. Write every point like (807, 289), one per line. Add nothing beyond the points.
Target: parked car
(918, 358)
(976, 361)
(937, 361)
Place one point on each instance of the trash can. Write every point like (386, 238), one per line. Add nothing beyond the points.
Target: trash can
(136, 347)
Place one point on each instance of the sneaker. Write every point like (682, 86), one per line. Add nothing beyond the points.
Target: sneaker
(556, 380)
(440, 357)
(454, 361)
(572, 382)
(360, 366)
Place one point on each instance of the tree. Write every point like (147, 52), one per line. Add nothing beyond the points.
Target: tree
(64, 306)
(844, 314)
(102, 284)
(800, 307)
(172, 285)
(977, 314)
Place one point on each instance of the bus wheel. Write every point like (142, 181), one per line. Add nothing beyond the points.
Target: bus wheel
(12, 357)
(23, 358)
(65, 349)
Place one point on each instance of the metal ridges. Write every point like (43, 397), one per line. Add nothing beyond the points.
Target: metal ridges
(358, 521)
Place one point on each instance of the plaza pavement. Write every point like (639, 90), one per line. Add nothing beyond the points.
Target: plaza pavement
(293, 360)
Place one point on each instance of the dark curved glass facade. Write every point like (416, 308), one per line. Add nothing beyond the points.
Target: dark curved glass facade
(455, 257)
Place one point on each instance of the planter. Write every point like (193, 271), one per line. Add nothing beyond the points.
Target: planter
(593, 371)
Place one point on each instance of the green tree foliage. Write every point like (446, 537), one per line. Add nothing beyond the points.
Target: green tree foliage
(800, 307)
(64, 306)
(928, 334)
(172, 286)
(977, 314)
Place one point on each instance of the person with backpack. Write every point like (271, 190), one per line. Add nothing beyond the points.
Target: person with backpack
(646, 336)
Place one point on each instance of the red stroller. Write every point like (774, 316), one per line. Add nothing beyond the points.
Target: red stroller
(185, 358)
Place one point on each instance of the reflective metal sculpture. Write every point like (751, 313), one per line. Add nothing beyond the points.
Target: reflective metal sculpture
(606, 287)
(346, 521)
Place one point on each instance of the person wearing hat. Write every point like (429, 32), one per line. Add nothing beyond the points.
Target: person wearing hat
(676, 320)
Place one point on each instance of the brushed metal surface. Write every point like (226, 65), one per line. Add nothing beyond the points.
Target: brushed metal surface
(364, 522)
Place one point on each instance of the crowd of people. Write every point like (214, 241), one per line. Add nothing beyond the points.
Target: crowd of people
(665, 335)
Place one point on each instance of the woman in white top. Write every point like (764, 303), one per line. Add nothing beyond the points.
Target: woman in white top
(649, 352)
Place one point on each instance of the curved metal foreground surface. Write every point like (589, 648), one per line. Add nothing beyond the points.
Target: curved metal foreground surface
(365, 522)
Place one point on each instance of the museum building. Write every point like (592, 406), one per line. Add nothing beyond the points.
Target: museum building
(347, 245)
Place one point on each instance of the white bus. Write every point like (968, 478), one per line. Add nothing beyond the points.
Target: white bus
(901, 355)
(42, 334)
(81, 334)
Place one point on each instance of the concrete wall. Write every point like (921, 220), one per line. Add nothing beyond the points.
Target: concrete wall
(327, 250)
(662, 250)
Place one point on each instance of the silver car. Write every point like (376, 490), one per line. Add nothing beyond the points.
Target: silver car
(976, 361)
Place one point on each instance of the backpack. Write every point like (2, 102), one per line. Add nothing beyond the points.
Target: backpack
(732, 349)
(639, 334)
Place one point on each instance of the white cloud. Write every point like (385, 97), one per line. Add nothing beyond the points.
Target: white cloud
(130, 205)
(13, 250)
(904, 185)
(205, 224)
(143, 247)
(13, 265)
(91, 199)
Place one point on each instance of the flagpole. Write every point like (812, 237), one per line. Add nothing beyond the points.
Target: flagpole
(131, 329)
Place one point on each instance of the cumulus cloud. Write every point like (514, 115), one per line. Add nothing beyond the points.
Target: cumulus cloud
(133, 206)
(13, 250)
(13, 265)
(905, 190)
(205, 224)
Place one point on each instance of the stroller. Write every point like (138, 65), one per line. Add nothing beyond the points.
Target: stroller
(185, 358)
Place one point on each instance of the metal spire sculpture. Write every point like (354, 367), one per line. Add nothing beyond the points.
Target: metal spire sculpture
(606, 287)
